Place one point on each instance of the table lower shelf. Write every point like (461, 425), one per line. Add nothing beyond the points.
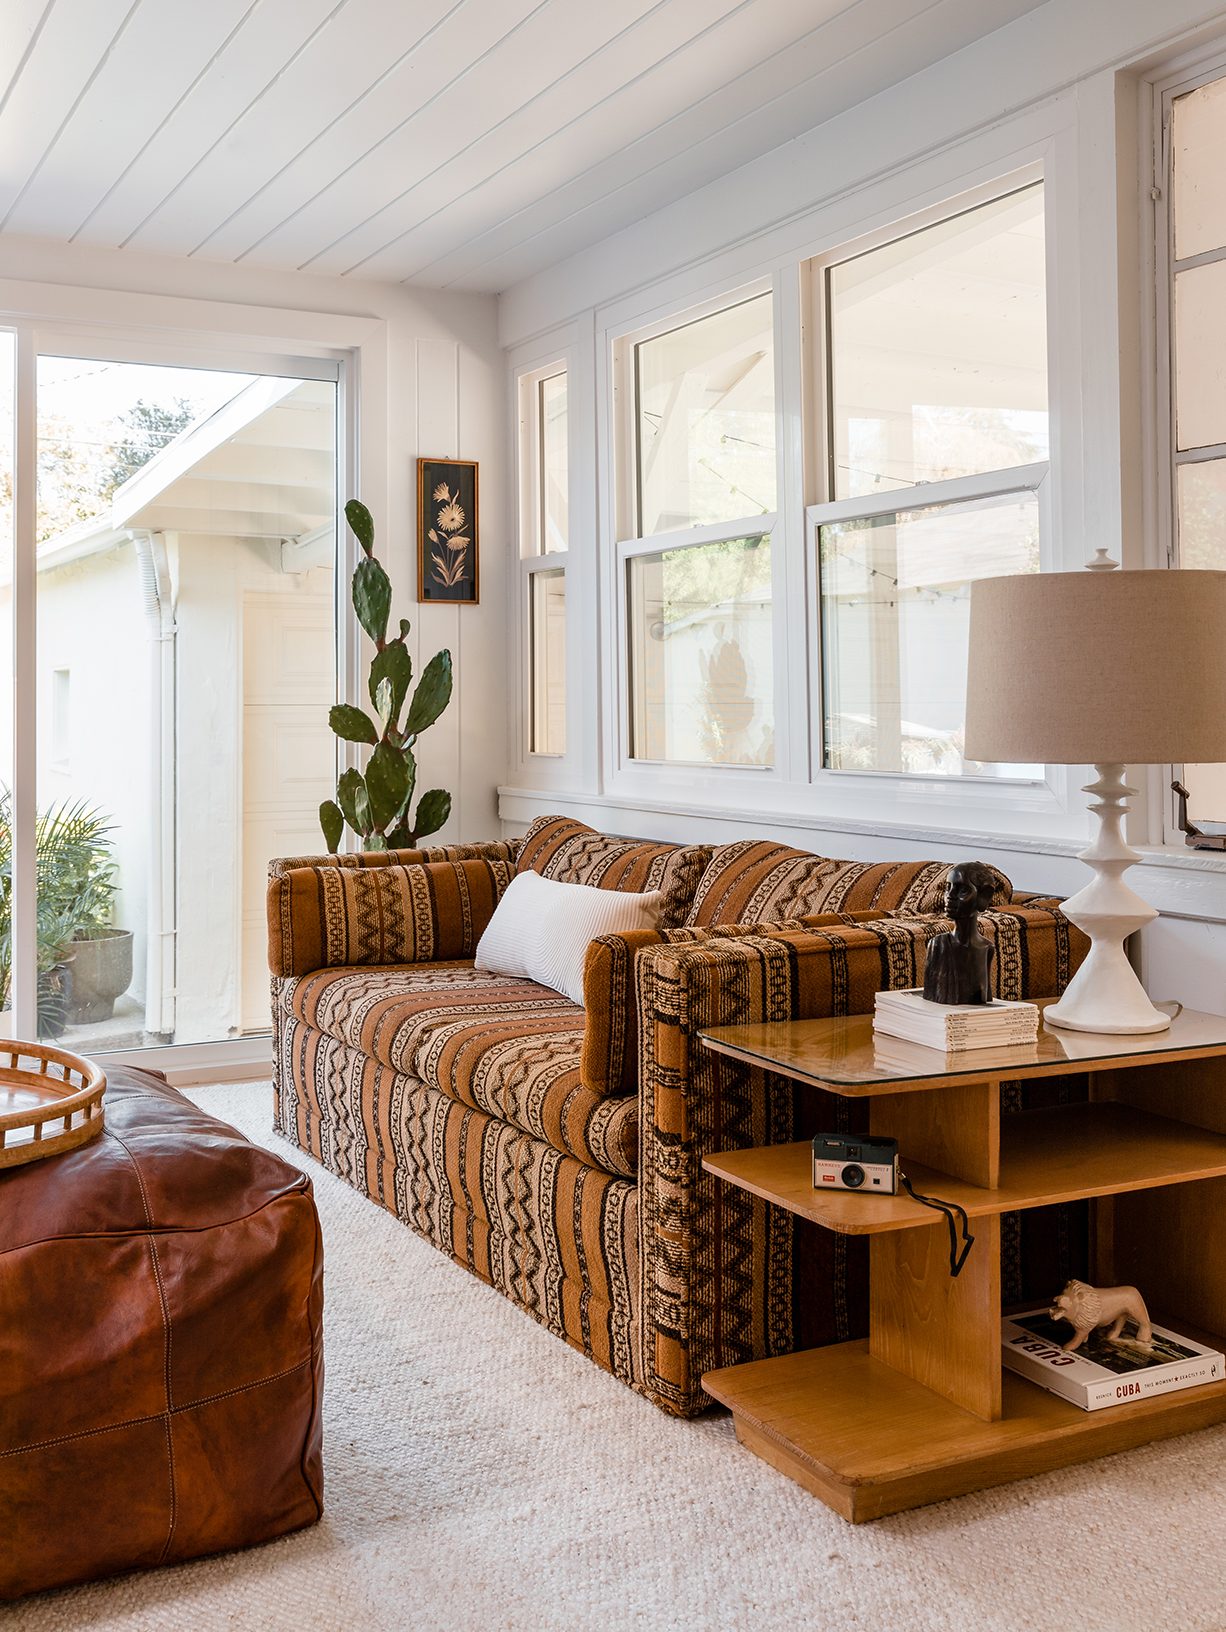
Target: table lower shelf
(870, 1441)
(1066, 1153)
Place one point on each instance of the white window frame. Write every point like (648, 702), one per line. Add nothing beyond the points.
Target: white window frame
(1032, 478)
(1156, 206)
(537, 560)
(1021, 793)
(699, 782)
(184, 332)
(1042, 147)
(531, 508)
(688, 538)
(557, 353)
(1090, 490)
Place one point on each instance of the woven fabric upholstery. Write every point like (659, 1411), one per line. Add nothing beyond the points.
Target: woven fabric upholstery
(721, 1284)
(388, 1012)
(498, 1043)
(332, 917)
(571, 853)
(558, 1237)
(610, 1038)
(755, 881)
(487, 850)
(494, 1121)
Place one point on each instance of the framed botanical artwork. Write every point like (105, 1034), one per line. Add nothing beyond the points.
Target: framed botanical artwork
(447, 565)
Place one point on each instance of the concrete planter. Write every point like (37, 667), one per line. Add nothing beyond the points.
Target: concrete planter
(100, 971)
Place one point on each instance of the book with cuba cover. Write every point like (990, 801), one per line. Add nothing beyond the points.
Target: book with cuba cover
(1101, 1372)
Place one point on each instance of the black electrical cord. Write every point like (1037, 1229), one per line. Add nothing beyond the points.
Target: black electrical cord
(957, 1251)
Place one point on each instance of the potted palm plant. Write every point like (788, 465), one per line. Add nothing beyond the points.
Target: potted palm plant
(81, 878)
(84, 963)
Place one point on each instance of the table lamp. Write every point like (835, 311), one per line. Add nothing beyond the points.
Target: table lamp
(1105, 668)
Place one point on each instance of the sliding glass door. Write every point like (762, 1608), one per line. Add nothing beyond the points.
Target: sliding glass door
(8, 391)
(183, 660)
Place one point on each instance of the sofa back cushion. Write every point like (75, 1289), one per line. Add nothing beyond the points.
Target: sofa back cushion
(757, 881)
(333, 917)
(572, 853)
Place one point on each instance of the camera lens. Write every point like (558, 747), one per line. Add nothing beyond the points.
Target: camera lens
(853, 1176)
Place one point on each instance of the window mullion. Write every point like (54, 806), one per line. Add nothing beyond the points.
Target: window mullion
(922, 495)
(24, 951)
(693, 537)
(1200, 456)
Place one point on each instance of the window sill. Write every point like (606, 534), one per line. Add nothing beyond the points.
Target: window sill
(1180, 882)
(524, 803)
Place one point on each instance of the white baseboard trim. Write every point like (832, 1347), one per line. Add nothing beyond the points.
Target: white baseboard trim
(185, 1065)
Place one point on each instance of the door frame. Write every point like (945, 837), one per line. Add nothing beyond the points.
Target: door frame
(120, 327)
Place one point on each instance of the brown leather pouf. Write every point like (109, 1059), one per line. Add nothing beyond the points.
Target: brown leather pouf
(161, 1346)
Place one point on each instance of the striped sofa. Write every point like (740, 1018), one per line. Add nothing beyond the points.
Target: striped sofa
(554, 1149)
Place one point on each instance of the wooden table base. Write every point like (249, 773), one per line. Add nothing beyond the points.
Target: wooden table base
(921, 1410)
(870, 1441)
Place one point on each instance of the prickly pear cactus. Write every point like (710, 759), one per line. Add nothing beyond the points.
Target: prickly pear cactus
(377, 803)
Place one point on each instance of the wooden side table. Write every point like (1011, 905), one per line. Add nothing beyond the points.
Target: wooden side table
(923, 1409)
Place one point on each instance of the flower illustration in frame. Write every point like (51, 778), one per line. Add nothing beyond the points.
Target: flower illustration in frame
(447, 530)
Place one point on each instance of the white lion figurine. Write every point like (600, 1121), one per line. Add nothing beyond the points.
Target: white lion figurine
(1085, 1307)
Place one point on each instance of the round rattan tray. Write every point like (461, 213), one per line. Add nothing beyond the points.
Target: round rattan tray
(50, 1101)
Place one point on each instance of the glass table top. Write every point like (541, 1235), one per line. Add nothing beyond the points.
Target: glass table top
(847, 1055)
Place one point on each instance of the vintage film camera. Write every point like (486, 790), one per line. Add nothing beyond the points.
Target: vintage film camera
(855, 1162)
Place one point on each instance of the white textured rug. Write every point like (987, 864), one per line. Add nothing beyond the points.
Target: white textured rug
(480, 1474)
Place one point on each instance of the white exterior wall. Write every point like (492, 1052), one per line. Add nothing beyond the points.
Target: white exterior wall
(1065, 89)
(91, 622)
(213, 579)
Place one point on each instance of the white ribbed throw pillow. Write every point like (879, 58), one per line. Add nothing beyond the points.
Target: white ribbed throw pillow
(542, 929)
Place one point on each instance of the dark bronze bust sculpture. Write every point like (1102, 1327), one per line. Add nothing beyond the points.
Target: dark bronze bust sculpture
(959, 965)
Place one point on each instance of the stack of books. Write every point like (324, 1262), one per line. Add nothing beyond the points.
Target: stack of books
(955, 1026)
(1104, 1372)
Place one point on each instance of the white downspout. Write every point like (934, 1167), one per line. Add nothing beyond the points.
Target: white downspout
(156, 597)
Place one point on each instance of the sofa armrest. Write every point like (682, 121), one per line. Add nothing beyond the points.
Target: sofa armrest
(717, 1263)
(485, 850)
(331, 917)
(610, 1036)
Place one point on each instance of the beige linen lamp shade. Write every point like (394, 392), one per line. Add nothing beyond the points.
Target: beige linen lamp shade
(1102, 668)
(1092, 668)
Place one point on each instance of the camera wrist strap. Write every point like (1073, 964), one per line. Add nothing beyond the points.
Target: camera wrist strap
(957, 1251)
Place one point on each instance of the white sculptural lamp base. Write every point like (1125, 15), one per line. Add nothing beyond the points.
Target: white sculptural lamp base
(1105, 994)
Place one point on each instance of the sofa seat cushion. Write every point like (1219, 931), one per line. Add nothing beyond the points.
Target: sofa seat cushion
(498, 1043)
(755, 881)
(387, 1011)
(572, 853)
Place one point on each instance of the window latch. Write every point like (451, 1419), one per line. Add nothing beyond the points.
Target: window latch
(1195, 837)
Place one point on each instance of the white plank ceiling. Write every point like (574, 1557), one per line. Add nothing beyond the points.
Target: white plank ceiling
(463, 143)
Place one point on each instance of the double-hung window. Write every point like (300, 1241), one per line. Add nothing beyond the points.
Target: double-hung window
(696, 514)
(1193, 184)
(933, 464)
(544, 536)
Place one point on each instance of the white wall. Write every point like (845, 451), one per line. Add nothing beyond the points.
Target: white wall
(431, 383)
(1062, 87)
